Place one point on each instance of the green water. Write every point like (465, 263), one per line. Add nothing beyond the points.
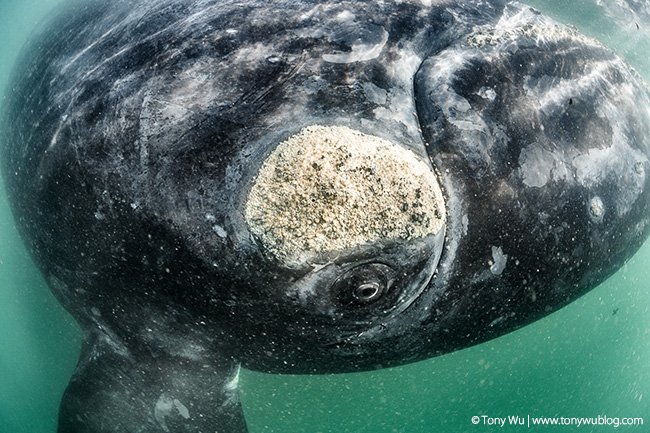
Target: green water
(582, 361)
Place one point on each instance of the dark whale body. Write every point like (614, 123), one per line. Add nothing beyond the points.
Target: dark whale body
(133, 132)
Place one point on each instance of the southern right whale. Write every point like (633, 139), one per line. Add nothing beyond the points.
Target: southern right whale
(311, 187)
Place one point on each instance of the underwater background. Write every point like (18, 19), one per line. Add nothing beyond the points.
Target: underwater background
(590, 359)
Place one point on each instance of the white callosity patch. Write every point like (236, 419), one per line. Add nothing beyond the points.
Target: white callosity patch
(333, 188)
(596, 209)
(487, 93)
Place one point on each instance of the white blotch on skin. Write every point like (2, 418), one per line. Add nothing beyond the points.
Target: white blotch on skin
(360, 52)
(496, 321)
(499, 261)
(538, 166)
(164, 407)
(375, 94)
(345, 16)
(231, 385)
(182, 410)
(219, 230)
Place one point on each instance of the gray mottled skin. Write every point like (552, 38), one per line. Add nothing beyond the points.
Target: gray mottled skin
(132, 131)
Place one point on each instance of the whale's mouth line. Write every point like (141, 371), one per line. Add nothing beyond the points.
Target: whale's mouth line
(332, 188)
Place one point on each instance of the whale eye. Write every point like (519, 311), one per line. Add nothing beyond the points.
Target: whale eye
(368, 292)
(363, 284)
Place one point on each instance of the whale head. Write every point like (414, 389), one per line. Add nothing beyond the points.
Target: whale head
(311, 188)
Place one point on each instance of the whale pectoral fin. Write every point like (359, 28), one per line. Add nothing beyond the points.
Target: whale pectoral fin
(112, 390)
